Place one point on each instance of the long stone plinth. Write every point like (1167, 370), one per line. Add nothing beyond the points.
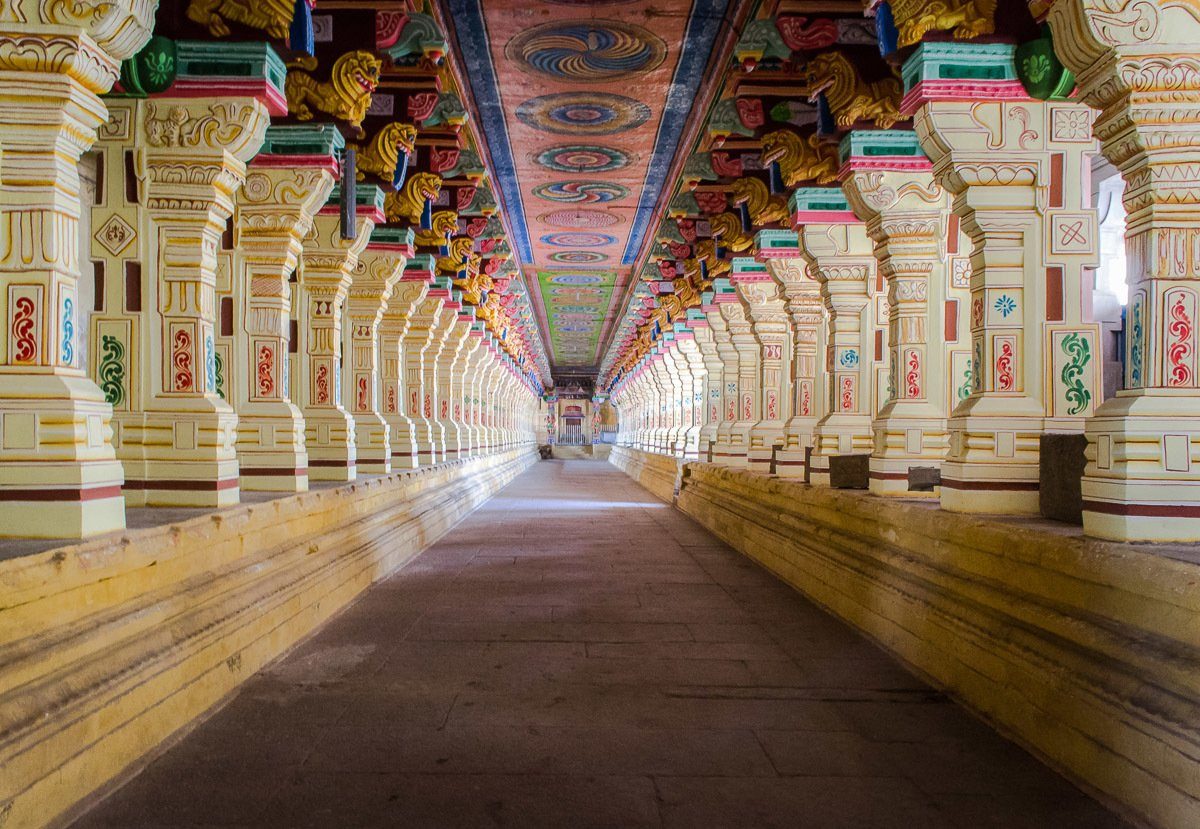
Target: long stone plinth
(110, 646)
(1086, 652)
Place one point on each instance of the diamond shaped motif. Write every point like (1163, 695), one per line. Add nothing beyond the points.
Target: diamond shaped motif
(115, 235)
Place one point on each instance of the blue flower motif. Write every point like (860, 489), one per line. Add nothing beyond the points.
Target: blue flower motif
(1005, 305)
(849, 358)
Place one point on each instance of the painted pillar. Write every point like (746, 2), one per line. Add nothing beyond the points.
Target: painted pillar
(780, 250)
(711, 407)
(190, 155)
(840, 256)
(724, 450)
(696, 387)
(472, 381)
(421, 331)
(749, 411)
(1140, 483)
(59, 476)
(763, 304)
(461, 445)
(448, 361)
(1018, 170)
(326, 268)
(407, 295)
(286, 184)
(889, 183)
(380, 266)
(434, 450)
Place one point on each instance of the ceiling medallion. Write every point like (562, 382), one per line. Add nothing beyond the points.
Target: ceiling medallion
(589, 51)
(583, 113)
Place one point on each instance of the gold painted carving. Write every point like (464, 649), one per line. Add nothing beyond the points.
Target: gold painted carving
(272, 16)
(383, 153)
(850, 98)
(443, 225)
(764, 208)
(346, 95)
(800, 160)
(728, 228)
(965, 19)
(409, 203)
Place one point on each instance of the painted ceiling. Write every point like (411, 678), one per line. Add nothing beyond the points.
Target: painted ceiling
(583, 104)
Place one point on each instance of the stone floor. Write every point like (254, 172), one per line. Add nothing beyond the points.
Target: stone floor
(577, 653)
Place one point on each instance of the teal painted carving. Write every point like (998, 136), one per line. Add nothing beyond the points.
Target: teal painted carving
(151, 70)
(112, 370)
(964, 391)
(1135, 345)
(1079, 354)
(218, 375)
(1041, 72)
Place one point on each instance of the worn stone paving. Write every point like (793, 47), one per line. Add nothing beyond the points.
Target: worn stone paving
(577, 653)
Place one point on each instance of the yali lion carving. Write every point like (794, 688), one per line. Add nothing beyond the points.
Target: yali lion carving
(443, 225)
(382, 155)
(271, 16)
(800, 160)
(850, 98)
(764, 208)
(408, 204)
(964, 19)
(345, 96)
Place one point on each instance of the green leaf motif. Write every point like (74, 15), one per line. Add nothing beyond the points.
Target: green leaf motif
(112, 370)
(1079, 352)
(1036, 67)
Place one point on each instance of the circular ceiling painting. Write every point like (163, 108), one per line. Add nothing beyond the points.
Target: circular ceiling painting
(578, 257)
(575, 279)
(582, 158)
(578, 240)
(580, 192)
(583, 219)
(583, 113)
(587, 50)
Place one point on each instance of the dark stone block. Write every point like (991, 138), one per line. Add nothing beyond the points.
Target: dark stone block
(1061, 461)
(546, 451)
(923, 478)
(849, 471)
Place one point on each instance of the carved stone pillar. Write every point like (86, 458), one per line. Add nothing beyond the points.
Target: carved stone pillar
(763, 304)
(749, 361)
(472, 381)
(802, 295)
(380, 266)
(422, 329)
(889, 183)
(1018, 171)
(434, 450)
(448, 361)
(710, 408)
(724, 450)
(59, 476)
(462, 445)
(274, 212)
(1137, 64)
(839, 256)
(190, 156)
(407, 295)
(326, 269)
(692, 367)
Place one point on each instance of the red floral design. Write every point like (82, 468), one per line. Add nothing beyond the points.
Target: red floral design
(1005, 379)
(181, 360)
(912, 379)
(25, 350)
(322, 383)
(361, 401)
(266, 371)
(421, 104)
(1179, 352)
(847, 394)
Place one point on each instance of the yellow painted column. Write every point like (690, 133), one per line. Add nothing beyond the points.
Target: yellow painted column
(448, 362)
(1142, 476)
(693, 368)
(840, 258)
(711, 408)
(724, 450)
(433, 450)
(763, 305)
(459, 390)
(407, 294)
(273, 214)
(889, 184)
(190, 155)
(421, 331)
(380, 266)
(1018, 170)
(326, 270)
(802, 295)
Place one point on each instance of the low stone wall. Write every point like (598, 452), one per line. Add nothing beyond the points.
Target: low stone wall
(1087, 652)
(657, 473)
(107, 647)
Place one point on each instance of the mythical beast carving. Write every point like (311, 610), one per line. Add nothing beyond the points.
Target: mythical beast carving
(346, 95)
(800, 160)
(850, 98)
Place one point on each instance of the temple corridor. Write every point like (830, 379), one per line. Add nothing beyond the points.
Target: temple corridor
(579, 653)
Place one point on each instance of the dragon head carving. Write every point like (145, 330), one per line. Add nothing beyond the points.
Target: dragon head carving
(442, 226)
(409, 203)
(382, 155)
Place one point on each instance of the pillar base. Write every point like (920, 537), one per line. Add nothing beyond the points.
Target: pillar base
(839, 434)
(908, 435)
(332, 453)
(791, 462)
(992, 465)
(1141, 479)
(51, 486)
(180, 458)
(270, 449)
(373, 449)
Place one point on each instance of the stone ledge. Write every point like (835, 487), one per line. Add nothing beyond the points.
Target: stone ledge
(1087, 652)
(110, 646)
(656, 472)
